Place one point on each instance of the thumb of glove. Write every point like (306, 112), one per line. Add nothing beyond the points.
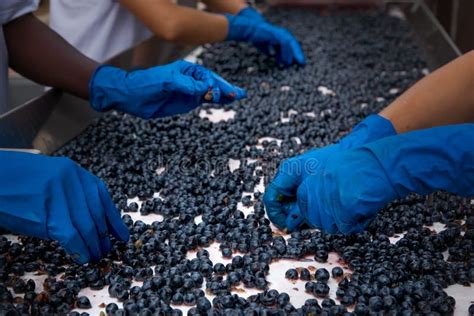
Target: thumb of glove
(295, 218)
(190, 86)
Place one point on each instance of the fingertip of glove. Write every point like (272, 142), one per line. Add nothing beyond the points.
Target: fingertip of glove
(275, 216)
(122, 233)
(270, 196)
(292, 223)
(105, 245)
(240, 94)
(279, 223)
(216, 95)
(282, 62)
(291, 227)
(80, 258)
(299, 56)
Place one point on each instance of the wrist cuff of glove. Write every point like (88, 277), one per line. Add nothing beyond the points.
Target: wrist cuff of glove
(103, 84)
(231, 34)
(372, 128)
(379, 126)
(250, 13)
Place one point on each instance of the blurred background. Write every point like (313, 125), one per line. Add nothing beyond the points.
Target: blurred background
(457, 18)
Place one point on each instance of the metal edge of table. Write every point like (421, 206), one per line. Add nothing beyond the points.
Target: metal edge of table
(435, 42)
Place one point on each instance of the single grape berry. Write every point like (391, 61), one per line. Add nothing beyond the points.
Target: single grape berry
(321, 289)
(337, 272)
(83, 302)
(291, 274)
(471, 310)
(305, 274)
(322, 275)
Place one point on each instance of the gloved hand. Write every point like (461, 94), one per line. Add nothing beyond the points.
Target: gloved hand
(159, 91)
(269, 39)
(355, 184)
(280, 195)
(251, 13)
(54, 198)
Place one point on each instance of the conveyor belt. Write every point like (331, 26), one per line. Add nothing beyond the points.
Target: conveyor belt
(276, 277)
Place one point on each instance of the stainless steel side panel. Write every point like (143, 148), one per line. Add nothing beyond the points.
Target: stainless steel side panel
(438, 47)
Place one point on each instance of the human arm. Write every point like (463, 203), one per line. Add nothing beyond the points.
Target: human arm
(355, 184)
(190, 26)
(176, 23)
(38, 53)
(280, 194)
(234, 7)
(225, 6)
(160, 91)
(444, 97)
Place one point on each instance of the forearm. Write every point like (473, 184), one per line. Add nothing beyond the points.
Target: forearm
(444, 97)
(38, 53)
(225, 6)
(177, 23)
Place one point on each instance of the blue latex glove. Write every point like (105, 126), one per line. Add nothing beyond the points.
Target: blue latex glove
(159, 91)
(355, 184)
(280, 195)
(54, 198)
(251, 13)
(269, 39)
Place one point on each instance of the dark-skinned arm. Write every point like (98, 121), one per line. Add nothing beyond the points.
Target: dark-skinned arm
(40, 54)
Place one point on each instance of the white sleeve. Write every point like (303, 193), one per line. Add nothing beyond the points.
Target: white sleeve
(100, 29)
(11, 9)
